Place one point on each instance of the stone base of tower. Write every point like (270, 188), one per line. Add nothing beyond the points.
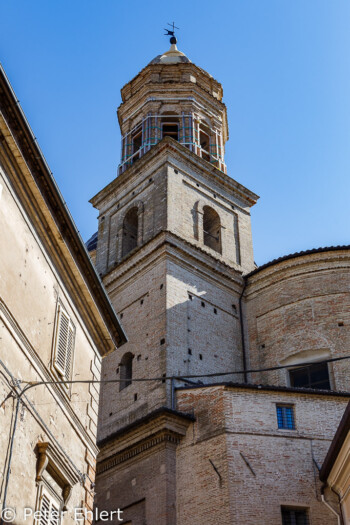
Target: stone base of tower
(137, 469)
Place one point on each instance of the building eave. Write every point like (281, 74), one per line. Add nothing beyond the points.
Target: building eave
(296, 255)
(268, 388)
(21, 137)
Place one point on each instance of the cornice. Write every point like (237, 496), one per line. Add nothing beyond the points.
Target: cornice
(291, 267)
(163, 425)
(174, 246)
(158, 68)
(204, 168)
(164, 436)
(151, 90)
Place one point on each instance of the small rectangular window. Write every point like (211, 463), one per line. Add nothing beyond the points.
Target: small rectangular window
(64, 344)
(285, 417)
(294, 516)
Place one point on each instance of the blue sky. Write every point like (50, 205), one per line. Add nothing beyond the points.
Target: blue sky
(285, 69)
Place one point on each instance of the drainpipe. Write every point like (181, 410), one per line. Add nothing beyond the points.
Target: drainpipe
(339, 520)
(173, 403)
(340, 506)
(244, 355)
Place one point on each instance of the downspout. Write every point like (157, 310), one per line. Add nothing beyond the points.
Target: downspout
(339, 519)
(244, 355)
(340, 506)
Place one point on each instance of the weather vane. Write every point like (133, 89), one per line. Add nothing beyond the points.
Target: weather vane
(171, 33)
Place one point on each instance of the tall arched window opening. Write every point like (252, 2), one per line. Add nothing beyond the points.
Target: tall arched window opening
(211, 229)
(126, 370)
(204, 141)
(130, 230)
(136, 143)
(170, 126)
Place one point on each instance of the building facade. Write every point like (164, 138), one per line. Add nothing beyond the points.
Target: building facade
(56, 325)
(229, 396)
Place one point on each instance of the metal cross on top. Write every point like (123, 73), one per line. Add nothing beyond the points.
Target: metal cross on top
(171, 32)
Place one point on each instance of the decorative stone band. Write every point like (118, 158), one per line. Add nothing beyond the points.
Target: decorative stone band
(165, 436)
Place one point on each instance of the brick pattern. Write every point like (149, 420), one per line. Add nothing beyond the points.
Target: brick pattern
(261, 466)
(300, 308)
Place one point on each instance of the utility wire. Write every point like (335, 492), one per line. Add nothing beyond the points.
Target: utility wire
(185, 376)
(32, 384)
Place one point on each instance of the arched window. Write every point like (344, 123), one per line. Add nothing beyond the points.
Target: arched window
(170, 126)
(126, 370)
(211, 229)
(130, 230)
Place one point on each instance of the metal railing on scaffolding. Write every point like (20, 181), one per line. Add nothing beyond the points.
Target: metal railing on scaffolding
(185, 128)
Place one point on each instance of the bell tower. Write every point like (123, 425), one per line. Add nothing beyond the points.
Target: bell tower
(174, 239)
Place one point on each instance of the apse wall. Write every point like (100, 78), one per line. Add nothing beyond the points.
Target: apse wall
(298, 310)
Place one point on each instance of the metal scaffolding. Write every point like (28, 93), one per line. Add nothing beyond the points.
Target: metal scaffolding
(189, 127)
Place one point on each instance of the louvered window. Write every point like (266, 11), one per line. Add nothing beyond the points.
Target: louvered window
(49, 510)
(64, 344)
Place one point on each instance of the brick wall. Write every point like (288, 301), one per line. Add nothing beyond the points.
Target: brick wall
(261, 467)
(299, 308)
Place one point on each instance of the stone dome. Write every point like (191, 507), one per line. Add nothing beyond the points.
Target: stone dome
(173, 56)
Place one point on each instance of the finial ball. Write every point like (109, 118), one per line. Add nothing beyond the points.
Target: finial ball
(173, 40)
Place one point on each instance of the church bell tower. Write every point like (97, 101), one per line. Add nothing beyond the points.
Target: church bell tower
(174, 239)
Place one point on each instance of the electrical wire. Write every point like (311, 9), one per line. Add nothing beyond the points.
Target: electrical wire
(186, 376)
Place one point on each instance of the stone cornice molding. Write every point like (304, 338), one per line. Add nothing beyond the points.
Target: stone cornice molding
(161, 426)
(290, 268)
(156, 155)
(170, 245)
(164, 436)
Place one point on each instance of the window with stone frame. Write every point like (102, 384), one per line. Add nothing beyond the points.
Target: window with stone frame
(63, 344)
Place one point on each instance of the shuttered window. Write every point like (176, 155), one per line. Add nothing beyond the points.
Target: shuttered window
(49, 510)
(64, 346)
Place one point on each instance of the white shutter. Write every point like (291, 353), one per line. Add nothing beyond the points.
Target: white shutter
(54, 514)
(69, 354)
(44, 510)
(49, 510)
(64, 344)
